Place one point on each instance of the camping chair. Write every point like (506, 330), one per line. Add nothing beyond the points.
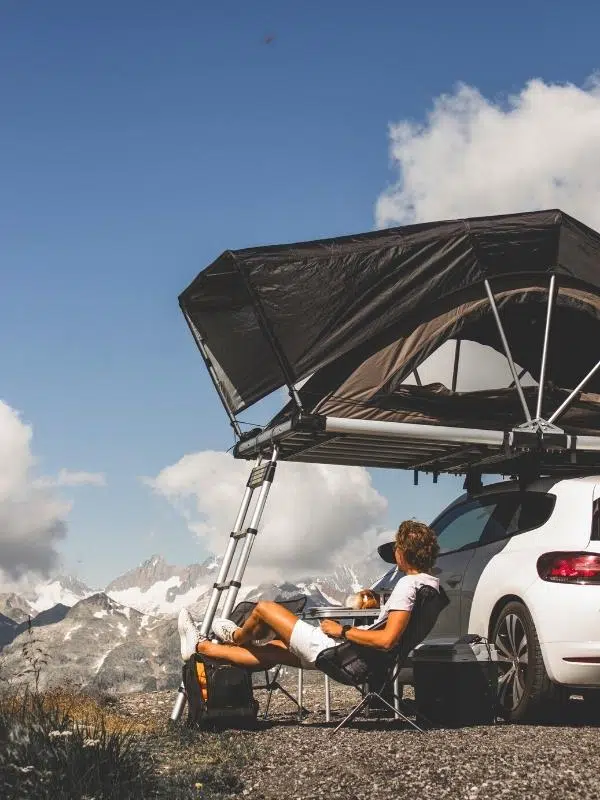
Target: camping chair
(239, 615)
(353, 664)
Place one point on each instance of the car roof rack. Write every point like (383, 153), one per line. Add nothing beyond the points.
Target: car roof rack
(431, 449)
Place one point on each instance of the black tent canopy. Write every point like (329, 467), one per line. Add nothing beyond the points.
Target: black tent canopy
(355, 320)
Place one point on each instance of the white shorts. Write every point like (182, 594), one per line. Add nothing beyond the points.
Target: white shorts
(307, 641)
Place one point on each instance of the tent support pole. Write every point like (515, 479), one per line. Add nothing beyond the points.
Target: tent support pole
(507, 352)
(523, 372)
(455, 370)
(563, 407)
(538, 408)
(265, 325)
(213, 375)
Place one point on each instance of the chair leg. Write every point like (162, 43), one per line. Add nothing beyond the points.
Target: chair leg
(268, 703)
(293, 699)
(397, 712)
(354, 712)
(270, 686)
(397, 694)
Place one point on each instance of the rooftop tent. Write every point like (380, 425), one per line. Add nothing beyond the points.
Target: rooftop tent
(352, 325)
(455, 346)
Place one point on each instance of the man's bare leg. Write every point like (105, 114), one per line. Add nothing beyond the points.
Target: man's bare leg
(267, 612)
(270, 655)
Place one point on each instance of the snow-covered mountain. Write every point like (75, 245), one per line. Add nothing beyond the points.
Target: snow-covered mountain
(125, 638)
(64, 589)
(43, 603)
(15, 607)
(102, 644)
(159, 588)
(34, 598)
(156, 587)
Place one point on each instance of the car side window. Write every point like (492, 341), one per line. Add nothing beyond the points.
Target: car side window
(517, 513)
(463, 525)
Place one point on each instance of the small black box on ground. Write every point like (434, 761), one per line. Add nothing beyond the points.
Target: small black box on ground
(456, 682)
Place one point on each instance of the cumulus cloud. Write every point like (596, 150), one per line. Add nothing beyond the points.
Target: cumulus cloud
(68, 477)
(475, 156)
(316, 517)
(32, 521)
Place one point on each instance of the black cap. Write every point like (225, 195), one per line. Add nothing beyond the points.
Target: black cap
(386, 552)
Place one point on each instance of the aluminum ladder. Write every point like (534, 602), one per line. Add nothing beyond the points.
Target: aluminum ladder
(261, 478)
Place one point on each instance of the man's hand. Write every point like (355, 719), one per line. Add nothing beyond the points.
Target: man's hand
(331, 628)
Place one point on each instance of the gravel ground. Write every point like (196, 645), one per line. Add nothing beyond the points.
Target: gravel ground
(390, 761)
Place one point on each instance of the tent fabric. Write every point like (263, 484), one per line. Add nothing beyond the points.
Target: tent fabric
(374, 389)
(275, 315)
(499, 409)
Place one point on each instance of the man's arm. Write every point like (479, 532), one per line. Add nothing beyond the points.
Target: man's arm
(384, 638)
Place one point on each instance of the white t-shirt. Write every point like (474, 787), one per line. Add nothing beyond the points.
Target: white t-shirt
(403, 594)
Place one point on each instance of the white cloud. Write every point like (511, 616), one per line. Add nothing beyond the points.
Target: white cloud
(316, 516)
(474, 156)
(32, 521)
(67, 477)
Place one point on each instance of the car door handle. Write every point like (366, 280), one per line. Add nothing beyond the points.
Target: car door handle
(454, 580)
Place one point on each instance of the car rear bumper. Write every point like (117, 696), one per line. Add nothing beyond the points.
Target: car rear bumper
(573, 672)
(567, 620)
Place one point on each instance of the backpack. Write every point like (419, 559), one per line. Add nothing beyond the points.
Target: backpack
(219, 695)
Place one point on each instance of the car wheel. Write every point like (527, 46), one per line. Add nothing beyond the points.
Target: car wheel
(525, 691)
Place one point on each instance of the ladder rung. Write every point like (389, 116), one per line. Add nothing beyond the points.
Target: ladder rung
(242, 534)
(220, 587)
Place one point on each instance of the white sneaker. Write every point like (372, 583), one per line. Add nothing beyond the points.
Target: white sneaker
(224, 629)
(188, 633)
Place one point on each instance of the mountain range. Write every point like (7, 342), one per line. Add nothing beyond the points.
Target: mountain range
(124, 637)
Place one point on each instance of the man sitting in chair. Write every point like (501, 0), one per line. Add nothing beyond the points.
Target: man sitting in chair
(295, 643)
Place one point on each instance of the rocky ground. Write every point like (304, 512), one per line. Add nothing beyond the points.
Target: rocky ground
(376, 760)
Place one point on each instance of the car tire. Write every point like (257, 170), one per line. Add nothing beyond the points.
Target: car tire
(525, 692)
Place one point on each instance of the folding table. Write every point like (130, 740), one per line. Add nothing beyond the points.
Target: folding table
(358, 616)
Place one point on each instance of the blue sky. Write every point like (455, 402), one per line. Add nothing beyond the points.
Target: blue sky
(139, 139)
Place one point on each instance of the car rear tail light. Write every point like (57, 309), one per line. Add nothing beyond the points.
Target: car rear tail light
(581, 568)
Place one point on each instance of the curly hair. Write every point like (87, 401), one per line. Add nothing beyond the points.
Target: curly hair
(418, 543)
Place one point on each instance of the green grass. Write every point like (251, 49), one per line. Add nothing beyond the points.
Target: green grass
(58, 746)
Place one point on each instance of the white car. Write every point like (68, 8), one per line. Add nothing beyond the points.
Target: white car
(522, 568)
